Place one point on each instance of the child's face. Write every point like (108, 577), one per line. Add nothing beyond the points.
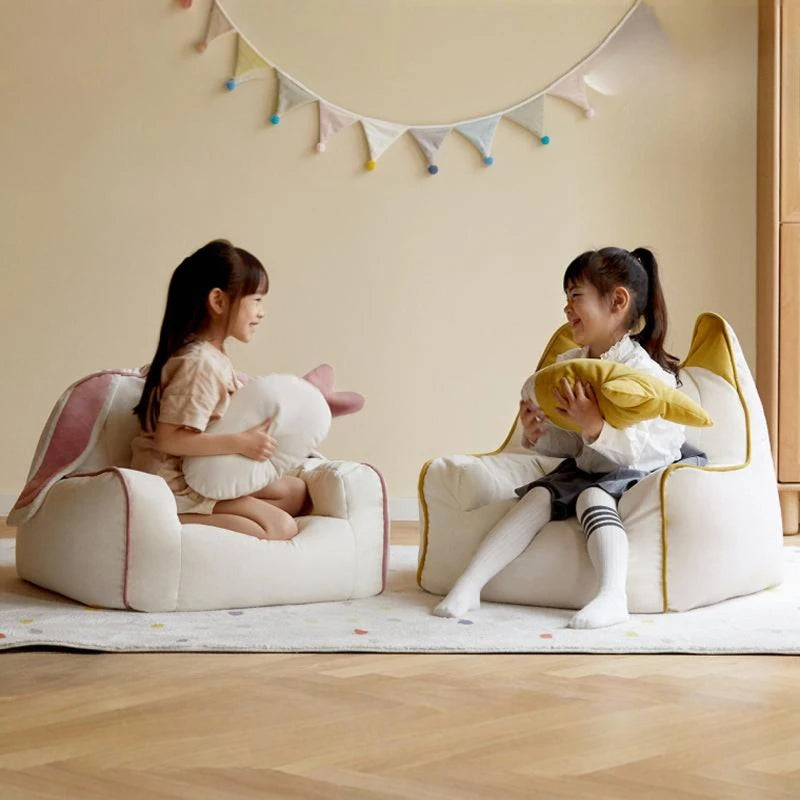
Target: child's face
(594, 323)
(248, 315)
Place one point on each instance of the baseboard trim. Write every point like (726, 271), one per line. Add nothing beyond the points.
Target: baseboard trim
(403, 509)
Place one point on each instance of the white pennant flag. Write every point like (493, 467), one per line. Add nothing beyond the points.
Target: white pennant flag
(481, 133)
(530, 116)
(429, 141)
(290, 95)
(572, 89)
(639, 45)
(218, 24)
(331, 121)
(380, 136)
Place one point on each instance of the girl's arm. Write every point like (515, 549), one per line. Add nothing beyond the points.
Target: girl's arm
(650, 441)
(178, 440)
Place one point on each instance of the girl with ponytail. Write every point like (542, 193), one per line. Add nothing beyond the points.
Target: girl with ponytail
(215, 293)
(616, 309)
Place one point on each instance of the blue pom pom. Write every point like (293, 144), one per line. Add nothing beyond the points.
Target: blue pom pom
(433, 169)
(275, 119)
(488, 160)
(545, 140)
(230, 84)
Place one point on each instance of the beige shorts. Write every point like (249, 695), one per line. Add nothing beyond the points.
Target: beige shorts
(190, 502)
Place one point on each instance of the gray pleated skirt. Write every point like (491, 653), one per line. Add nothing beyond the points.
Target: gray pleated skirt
(567, 481)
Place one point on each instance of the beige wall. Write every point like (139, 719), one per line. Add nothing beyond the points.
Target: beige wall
(122, 153)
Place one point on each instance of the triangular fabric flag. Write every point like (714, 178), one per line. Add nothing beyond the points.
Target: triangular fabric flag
(480, 133)
(572, 89)
(530, 116)
(290, 95)
(380, 136)
(331, 121)
(218, 24)
(639, 45)
(429, 141)
(247, 60)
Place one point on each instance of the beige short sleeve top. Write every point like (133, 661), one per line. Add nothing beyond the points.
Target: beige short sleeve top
(196, 387)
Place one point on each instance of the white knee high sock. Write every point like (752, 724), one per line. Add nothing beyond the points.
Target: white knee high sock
(509, 537)
(607, 543)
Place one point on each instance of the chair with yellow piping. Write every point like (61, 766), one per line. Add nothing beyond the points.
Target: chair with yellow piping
(698, 535)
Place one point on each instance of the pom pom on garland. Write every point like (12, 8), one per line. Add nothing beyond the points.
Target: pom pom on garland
(590, 112)
(432, 169)
(230, 84)
(186, 3)
(488, 160)
(321, 147)
(275, 119)
(545, 140)
(201, 47)
(371, 164)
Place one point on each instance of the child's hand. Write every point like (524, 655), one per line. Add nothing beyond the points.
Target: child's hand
(579, 404)
(257, 443)
(532, 419)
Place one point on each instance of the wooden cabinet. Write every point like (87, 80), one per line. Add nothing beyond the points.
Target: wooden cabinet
(778, 238)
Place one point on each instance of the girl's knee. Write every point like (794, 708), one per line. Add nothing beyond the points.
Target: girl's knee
(282, 526)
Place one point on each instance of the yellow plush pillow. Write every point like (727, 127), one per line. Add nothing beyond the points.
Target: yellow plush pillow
(625, 396)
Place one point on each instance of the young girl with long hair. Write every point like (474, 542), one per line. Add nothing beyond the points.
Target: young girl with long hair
(215, 293)
(616, 309)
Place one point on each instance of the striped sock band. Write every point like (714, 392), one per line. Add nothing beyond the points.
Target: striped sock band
(595, 517)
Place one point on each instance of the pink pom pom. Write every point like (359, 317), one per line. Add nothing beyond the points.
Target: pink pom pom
(321, 147)
(186, 3)
(201, 47)
(589, 112)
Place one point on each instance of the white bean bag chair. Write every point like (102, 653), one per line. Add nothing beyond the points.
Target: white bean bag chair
(698, 535)
(92, 529)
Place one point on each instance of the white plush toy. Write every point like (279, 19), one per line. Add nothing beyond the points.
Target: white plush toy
(300, 409)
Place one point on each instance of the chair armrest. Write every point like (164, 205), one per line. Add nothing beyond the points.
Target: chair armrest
(356, 493)
(720, 530)
(338, 488)
(468, 482)
(110, 538)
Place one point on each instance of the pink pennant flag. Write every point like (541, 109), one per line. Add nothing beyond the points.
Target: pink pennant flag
(429, 141)
(331, 121)
(572, 89)
(218, 24)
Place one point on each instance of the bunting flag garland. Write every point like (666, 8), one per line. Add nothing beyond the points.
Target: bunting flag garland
(429, 141)
(248, 64)
(331, 121)
(380, 136)
(291, 95)
(218, 24)
(636, 37)
(480, 133)
(573, 89)
(531, 116)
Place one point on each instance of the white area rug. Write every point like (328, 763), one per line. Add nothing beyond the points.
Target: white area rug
(399, 620)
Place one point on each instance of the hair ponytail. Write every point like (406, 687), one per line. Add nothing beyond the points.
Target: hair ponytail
(652, 335)
(637, 271)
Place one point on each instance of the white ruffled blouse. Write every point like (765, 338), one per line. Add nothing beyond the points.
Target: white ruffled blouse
(647, 446)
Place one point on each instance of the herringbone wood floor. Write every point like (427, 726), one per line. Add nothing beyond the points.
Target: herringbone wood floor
(394, 726)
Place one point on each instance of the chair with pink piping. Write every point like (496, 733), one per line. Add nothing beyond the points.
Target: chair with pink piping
(91, 528)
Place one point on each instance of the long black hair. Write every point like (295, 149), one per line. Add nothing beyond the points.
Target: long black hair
(216, 265)
(637, 271)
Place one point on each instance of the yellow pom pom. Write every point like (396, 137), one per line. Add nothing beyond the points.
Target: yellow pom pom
(371, 164)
